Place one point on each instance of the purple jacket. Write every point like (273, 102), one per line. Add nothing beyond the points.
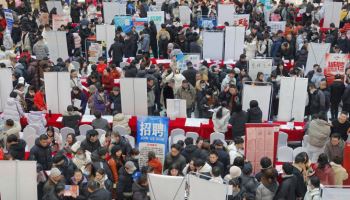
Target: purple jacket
(100, 102)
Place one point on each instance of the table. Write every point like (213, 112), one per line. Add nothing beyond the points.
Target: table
(293, 134)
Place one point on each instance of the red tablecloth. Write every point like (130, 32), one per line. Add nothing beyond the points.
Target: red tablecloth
(293, 134)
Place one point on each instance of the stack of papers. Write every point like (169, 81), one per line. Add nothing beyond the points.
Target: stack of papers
(196, 122)
(89, 118)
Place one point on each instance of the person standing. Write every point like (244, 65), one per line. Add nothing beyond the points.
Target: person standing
(341, 125)
(187, 92)
(116, 51)
(163, 38)
(40, 49)
(336, 90)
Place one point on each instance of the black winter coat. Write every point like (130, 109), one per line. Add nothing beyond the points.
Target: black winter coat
(89, 146)
(254, 115)
(139, 192)
(42, 155)
(116, 51)
(17, 151)
(67, 169)
(286, 190)
(124, 183)
(190, 151)
(100, 194)
(190, 75)
(336, 90)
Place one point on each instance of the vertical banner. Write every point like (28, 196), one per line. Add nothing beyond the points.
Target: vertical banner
(241, 20)
(123, 21)
(185, 14)
(226, 13)
(317, 55)
(9, 19)
(57, 45)
(276, 26)
(332, 13)
(234, 42)
(292, 99)
(59, 20)
(152, 135)
(260, 65)
(94, 52)
(213, 45)
(207, 23)
(111, 9)
(5, 86)
(182, 59)
(134, 96)
(260, 93)
(157, 17)
(260, 140)
(57, 91)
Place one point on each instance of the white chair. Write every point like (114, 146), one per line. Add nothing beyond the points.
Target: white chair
(193, 135)
(57, 130)
(35, 127)
(80, 138)
(298, 150)
(131, 140)
(83, 129)
(285, 154)
(305, 141)
(177, 131)
(216, 136)
(178, 138)
(29, 131)
(30, 140)
(120, 129)
(64, 132)
(282, 139)
(100, 132)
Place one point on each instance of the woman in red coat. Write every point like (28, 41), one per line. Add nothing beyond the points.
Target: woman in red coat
(324, 170)
(39, 99)
(3, 25)
(107, 80)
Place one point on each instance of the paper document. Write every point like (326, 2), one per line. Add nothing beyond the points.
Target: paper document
(196, 122)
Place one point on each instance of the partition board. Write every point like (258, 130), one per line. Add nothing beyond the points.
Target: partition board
(57, 91)
(176, 108)
(292, 101)
(157, 17)
(57, 45)
(263, 65)
(5, 86)
(166, 187)
(336, 193)
(185, 14)
(225, 13)
(332, 10)
(64, 91)
(234, 42)
(105, 33)
(262, 94)
(18, 180)
(276, 26)
(213, 44)
(111, 9)
(55, 4)
(317, 55)
(134, 96)
(212, 191)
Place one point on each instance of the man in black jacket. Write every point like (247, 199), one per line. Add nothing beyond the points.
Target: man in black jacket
(125, 181)
(116, 51)
(190, 151)
(91, 143)
(298, 166)
(98, 193)
(16, 147)
(190, 73)
(336, 90)
(41, 152)
(65, 165)
(214, 162)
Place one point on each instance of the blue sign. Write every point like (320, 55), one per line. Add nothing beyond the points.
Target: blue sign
(152, 130)
(139, 24)
(206, 22)
(9, 18)
(125, 22)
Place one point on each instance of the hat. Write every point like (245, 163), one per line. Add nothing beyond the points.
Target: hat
(237, 70)
(55, 172)
(21, 80)
(130, 165)
(235, 172)
(218, 142)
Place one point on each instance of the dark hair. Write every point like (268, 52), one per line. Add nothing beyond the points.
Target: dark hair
(300, 158)
(239, 162)
(235, 182)
(98, 114)
(73, 136)
(151, 155)
(70, 108)
(344, 113)
(265, 163)
(287, 168)
(322, 161)
(134, 151)
(336, 135)
(59, 188)
(58, 158)
(238, 140)
(176, 146)
(143, 179)
(315, 181)
(219, 113)
(253, 104)
(93, 185)
(213, 152)
(216, 171)
(11, 138)
(13, 94)
(198, 162)
(9, 122)
(238, 108)
(101, 171)
(174, 166)
(188, 141)
(43, 137)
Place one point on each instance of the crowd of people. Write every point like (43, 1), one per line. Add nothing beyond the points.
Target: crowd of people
(107, 167)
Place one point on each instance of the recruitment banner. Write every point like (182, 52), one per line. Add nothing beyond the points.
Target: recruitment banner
(152, 135)
(125, 22)
(336, 63)
(183, 59)
(9, 19)
(157, 17)
(94, 52)
(257, 65)
(241, 20)
(59, 20)
(139, 23)
(206, 22)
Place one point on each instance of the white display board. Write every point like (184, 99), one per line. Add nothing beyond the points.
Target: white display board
(335, 193)
(18, 180)
(241, 20)
(213, 45)
(263, 65)
(57, 91)
(276, 26)
(134, 96)
(166, 187)
(225, 13)
(234, 43)
(57, 45)
(185, 14)
(176, 108)
(5, 86)
(262, 94)
(317, 55)
(292, 99)
(111, 9)
(105, 32)
(55, 4)
(332, 13)
(157, 17)
(212, 190)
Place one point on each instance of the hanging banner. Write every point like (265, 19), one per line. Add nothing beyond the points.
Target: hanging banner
(123, 21)
(9, 19)
(336, 63)
(182, 59)
(241, 20)
(260, 65)
(94, 52)
(276, 26)
(157, 17)
(59, 20)
(152, 135)
(139, 24)
(207, 23)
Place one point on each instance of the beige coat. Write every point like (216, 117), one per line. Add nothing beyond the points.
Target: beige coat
(340, 173)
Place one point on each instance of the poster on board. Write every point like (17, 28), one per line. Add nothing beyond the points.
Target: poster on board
(336, 63)
(263, 65)
(139, 23)
(276, 26)
(182, 59)
(59, 20)
(157, 17)
(123, 21)
(241, 20)
(94, 52)
(152, 135)
(206, 22)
